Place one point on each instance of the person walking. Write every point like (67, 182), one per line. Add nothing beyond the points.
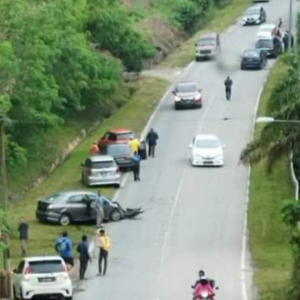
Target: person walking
(23, 234)
(136, 159)
(63, 245)
(84, 256)
(104, 245)
(94, 150)
(134, 144)
(228, 87)
(151, 139)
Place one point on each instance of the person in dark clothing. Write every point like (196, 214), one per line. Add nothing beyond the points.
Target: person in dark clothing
(23, 234)
(277, 45)
(228, 86)
(151, 139)
(63, 245)
(136, 166)
(84, 256)
(288, 40)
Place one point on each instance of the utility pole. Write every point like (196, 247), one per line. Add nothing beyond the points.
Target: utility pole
(6, 252)
(290, 26)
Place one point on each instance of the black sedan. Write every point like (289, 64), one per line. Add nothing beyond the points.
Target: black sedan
(78, 206)
(253, 59)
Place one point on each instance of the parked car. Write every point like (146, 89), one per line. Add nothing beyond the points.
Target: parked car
(206, 150)
(187, 94)
(253, 59)
(265, 30)
(100, 170)
(116, 135)
(121, 153)
(72, 206)
(41, 276)
(254, 15)
(267, 45)
(208, 46)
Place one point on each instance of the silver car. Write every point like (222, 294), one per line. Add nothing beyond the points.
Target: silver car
(100, 170)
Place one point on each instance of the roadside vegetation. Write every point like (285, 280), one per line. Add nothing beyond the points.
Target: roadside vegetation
(62, 65)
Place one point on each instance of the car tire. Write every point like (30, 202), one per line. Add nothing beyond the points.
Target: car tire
(197, 59)
(68, 298)
(176, 107)
(115, 215)
(242, 67)
(65, 220)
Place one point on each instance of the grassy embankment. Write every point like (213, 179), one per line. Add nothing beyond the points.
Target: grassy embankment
(133, 115)
(269, 242)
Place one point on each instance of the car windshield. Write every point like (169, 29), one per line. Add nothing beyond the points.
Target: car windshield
(56, 197)
(251, 53)
(46, 266)
(102, 164)
(118, 149)
(207, 41)
(252, 11)
(186, 88)
(264, 43)
(125, 136)
(209, 143)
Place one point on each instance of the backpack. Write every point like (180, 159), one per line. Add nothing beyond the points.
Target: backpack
(62, 246)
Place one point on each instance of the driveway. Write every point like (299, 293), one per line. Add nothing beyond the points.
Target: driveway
(194, 217)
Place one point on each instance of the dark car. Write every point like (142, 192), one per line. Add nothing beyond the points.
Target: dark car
(253, 59)
(72, 206)
(271, 49)
(120, 152)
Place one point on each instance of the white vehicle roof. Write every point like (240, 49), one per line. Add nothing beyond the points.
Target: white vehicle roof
(206, 137)
(43, 258)
(266, 27)
(101, 158)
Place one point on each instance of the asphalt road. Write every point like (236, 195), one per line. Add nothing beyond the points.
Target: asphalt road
(194, 217)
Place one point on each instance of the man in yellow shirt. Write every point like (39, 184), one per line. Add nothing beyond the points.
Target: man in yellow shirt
(104, 245)
(134, 145)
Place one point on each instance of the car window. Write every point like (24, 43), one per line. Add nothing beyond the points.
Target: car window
(125, 136)
(251, 53)
(56, 197)
(186, 88)
(88, 163)
(209, 143)
(264, 43)
(252, 11)
(75, 199)
(119, 149)
(21, 267)
(112, 136)
(207, 42)
(46, 266)
(102, 164)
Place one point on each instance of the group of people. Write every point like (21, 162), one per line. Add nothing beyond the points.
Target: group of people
(64, 247)
(285, 36)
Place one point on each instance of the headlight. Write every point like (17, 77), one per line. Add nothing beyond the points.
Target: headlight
(177, 98)
(50, 207)
(198, 97)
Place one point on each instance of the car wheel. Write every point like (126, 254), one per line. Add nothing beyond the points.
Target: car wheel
(242, 67)
(69, 298)
(197, 59)
(115, 215)
(64, 220)
(176, 107)
(117, 185)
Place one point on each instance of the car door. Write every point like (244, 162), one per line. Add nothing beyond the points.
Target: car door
(18, 276)
(92, 216)
(86, 168)
(77, 207)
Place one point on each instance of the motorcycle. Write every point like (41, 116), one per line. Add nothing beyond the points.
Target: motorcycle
(206, 291)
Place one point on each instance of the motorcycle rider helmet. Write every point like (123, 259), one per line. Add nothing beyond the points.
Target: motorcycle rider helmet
(203, 280)
(201, 273)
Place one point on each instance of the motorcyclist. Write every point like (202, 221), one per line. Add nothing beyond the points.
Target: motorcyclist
(201, 274)
(203, 284)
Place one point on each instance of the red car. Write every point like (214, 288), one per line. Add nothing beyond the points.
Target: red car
(116, 135)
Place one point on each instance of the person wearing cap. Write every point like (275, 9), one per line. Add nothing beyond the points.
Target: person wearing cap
(134, 144)
(94, 150)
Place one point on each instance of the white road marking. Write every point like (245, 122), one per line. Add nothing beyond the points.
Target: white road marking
(244, 238)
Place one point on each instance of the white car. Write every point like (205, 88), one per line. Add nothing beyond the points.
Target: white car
(265, 31)
(254, 15)
(42, 276)
(206, 150)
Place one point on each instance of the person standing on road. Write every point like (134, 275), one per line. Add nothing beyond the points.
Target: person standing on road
(134, 144)
(228, 87)
(63, 245)
(23, 234)
(84, 256)
(136, 159)
(104, 245)
(151, 139)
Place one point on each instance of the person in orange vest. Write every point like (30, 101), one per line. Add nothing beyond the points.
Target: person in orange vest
(94, 150)
(104, 245)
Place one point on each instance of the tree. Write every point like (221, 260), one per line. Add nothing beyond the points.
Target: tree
(279, 139)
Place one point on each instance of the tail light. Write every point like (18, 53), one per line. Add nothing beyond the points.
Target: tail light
(27, 270)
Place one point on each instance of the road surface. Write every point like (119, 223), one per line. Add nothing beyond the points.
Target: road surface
(194, 217)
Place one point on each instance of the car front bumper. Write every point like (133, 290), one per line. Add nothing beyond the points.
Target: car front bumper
(199, 161)
(48, 216)
(188, 103)
(251, 22)
(200, 54)
(251, 65)
(29, 290)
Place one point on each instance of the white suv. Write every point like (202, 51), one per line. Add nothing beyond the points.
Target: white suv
(42, 275)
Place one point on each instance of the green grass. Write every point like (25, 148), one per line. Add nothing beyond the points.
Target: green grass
(221, 19)
(133, 115)
(269, 241)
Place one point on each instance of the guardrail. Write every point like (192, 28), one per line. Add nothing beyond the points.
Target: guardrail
(295, 181)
